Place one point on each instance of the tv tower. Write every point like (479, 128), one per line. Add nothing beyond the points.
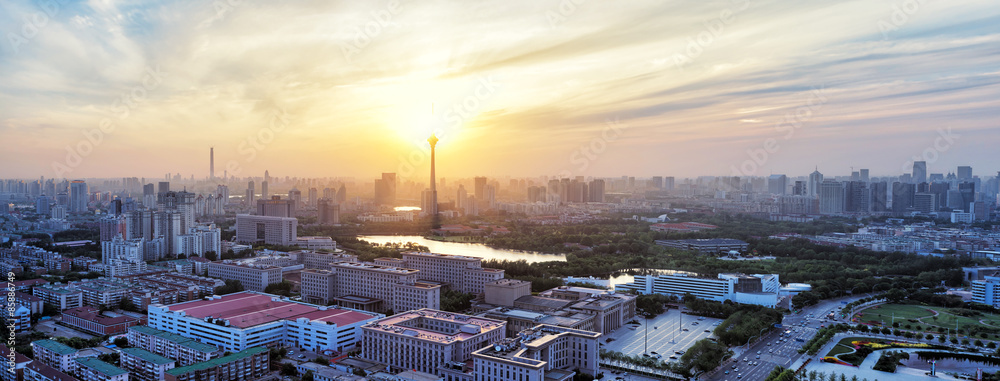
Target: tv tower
(434, 195)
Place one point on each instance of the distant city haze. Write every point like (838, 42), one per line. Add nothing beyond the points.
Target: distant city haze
(511, 88)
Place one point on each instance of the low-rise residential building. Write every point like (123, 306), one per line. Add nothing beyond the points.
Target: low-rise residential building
(145, 365)
(54, 354)
(15, 365)
(37, 371)
(987, 291)
(92, 369)
(249, 364)
(59, 295)
(184, 350)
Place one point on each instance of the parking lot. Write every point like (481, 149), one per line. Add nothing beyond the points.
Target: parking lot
(666, 334)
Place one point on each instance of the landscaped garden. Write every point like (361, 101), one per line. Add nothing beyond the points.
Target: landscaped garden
(932, 319)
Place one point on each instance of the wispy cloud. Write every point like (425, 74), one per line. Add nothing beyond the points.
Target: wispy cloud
(230, 67)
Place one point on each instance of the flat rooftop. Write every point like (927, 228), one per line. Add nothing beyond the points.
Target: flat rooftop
(247, 309)
(398, 324)
(368, 267)
(444, 256)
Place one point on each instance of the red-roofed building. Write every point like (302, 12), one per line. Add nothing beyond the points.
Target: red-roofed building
(243, 320)
(17, 366)
(90, 319)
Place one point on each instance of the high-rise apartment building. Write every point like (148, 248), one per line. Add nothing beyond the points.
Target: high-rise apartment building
(831, 197)
(78, 193)
(777, 184)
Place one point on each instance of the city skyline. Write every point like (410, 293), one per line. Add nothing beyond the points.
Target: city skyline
(580, 90)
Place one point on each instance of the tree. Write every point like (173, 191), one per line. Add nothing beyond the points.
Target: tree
(288, 369)
(121, 342)
(211, 255)
(127, 305)
(455, 301)
(308, 376)
(231, 286)
(284, 288)
(703, 356)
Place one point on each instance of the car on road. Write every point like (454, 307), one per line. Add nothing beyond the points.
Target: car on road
(727, 372)
(708, 331)
(301, 356)
(758, 356)
(653, 352)
(685, 329)
(673, 357)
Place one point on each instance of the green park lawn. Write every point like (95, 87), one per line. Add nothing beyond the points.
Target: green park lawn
(945, 319)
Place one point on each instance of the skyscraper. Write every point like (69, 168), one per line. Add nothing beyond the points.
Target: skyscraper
(78, 196)
(902, 197)
(385, 189)
(831, 197)
(596, 190)
(864, 175)
(815, 179)
(777, 184)
(919, 172)
(263, 190)
(313, 196)
(250, 193)
(964, 173)
(480, 184)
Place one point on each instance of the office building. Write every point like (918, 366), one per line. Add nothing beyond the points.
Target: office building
(925, 202)
(987, 291)
(247, 365)
(185, 351)
(145, 365)
(53, 353)
(370, 287)
(461, 273)
(276, 207)
(92, 369)
(919, 172)
(427, 340)
(545, 352)
(93, 321)
(707, 245)
(253, 277)
(263, 229)
(243, 320)
(760, 289)
(964, 173)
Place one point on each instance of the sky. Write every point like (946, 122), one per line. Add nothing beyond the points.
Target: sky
(109, 88)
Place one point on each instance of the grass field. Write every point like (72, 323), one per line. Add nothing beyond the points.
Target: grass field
(925, 315)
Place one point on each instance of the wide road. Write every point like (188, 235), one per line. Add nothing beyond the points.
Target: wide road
(777, 349)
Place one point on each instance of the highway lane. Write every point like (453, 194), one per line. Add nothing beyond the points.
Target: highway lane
(775, 347)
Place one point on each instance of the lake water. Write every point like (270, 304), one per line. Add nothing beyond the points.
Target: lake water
(470, 249)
